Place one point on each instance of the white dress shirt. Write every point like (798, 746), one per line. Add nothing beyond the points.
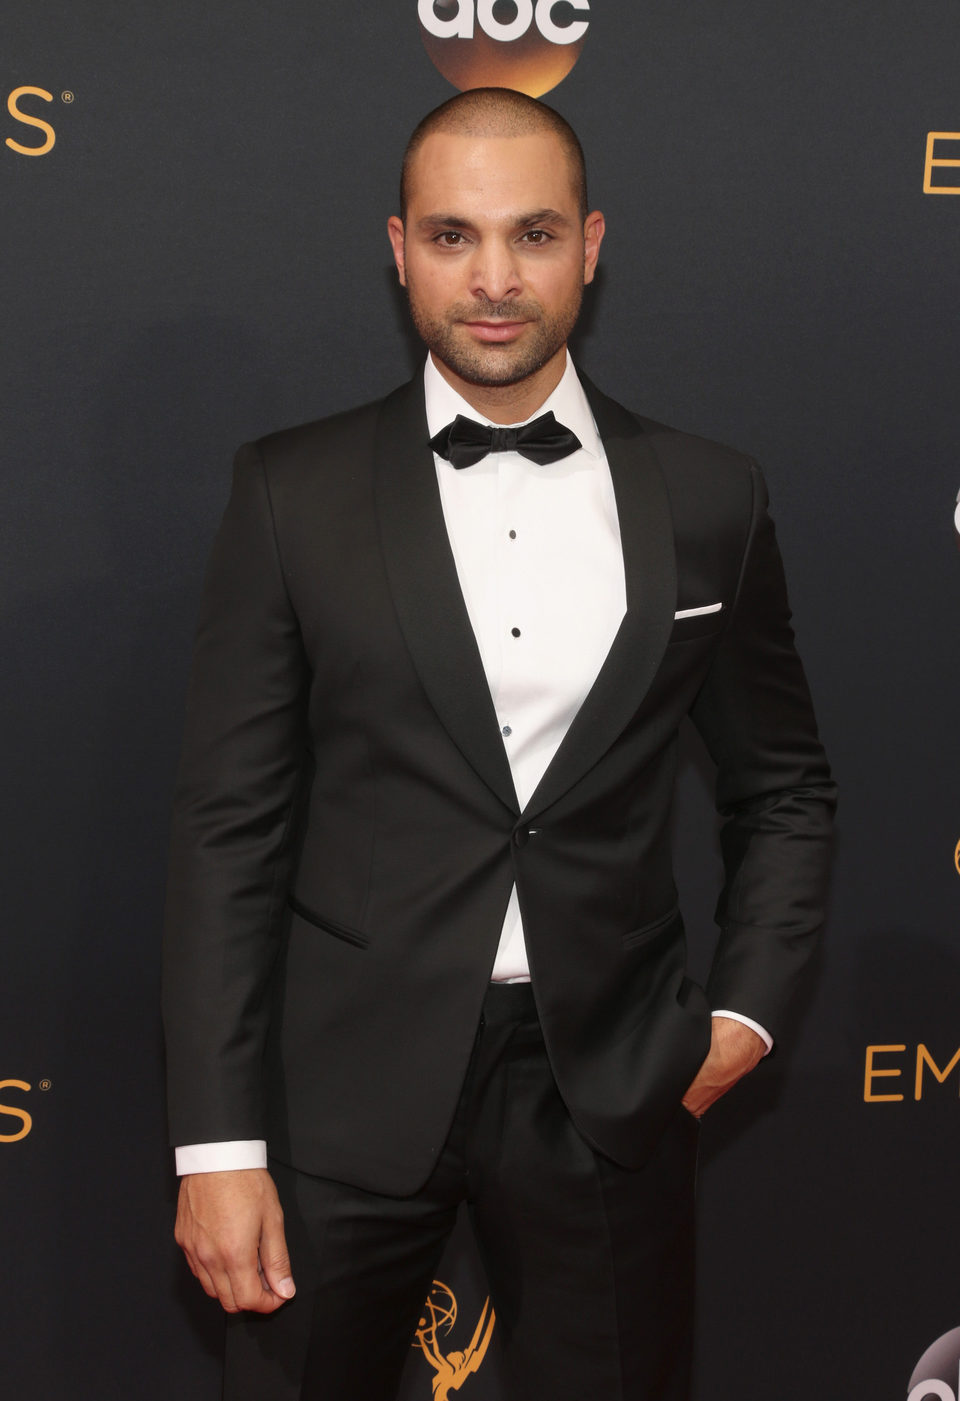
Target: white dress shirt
(538, 556)
(540, 564)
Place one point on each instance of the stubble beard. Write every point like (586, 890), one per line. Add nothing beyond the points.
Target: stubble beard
(492, 365)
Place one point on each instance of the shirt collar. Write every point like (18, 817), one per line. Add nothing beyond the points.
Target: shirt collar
(568, 402)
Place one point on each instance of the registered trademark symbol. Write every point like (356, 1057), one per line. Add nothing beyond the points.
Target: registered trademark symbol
(67, 96)
(45, 1085)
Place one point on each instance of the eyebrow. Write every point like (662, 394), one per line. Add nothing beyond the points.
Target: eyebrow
(520, 221)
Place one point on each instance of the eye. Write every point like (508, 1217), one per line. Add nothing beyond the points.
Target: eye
(537, 237)
(449, 238)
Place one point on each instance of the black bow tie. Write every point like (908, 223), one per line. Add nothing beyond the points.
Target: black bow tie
(464, 441)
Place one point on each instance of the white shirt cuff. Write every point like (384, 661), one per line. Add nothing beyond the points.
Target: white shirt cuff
(239, 1153)
(764, 1035)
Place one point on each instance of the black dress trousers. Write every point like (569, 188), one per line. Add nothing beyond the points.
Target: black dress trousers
(590, 1267)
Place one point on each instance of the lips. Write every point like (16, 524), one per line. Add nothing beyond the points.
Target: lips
(495, 332)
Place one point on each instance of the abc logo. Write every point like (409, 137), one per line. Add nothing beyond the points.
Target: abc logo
(529, 45)
(936, 1376)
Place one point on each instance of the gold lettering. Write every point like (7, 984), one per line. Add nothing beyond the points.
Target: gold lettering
(19, 116)
(25, 1120)
(871, 1073)
(925, 1058)
(933, 161)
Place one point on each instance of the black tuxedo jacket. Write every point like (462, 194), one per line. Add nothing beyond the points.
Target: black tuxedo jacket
(346, 832)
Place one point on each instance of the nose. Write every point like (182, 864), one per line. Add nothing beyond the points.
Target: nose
(494, 273)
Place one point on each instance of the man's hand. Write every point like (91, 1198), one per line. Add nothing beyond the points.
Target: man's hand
(230, 1227)
(735, 1050)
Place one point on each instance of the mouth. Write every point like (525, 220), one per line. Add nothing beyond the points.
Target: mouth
(495, 332)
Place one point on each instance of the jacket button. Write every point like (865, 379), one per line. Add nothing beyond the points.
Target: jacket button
(521, 836)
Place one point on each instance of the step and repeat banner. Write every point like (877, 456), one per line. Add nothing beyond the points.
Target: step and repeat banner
(193, 208)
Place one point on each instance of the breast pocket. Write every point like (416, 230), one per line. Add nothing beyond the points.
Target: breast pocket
(692, 623)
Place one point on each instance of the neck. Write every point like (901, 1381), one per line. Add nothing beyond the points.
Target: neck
(509, 403)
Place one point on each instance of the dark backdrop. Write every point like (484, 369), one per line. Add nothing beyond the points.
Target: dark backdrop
(199, 258)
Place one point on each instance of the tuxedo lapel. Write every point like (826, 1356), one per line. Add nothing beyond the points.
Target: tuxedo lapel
(436, 625)
(650, 570)
(426, 589)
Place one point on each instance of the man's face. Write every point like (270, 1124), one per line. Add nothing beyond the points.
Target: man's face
(494, 254)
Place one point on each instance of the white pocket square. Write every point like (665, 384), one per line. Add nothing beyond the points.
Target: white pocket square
(697, 612)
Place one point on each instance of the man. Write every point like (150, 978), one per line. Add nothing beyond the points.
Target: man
(423, 943)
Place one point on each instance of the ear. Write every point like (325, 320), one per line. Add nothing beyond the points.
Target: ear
(594, 227)
(395, 235)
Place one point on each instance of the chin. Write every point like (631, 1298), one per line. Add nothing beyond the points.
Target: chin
(493, 369)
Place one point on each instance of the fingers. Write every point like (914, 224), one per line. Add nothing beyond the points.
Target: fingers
(706, 1089)
(696, 1107)
(275, 1258)
(697, 1101)
(210, 1259)
(230, 1228)
(209, 1288)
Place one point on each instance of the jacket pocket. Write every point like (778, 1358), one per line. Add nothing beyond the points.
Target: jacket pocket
(697, 626)
(329, 926)
(637, 937)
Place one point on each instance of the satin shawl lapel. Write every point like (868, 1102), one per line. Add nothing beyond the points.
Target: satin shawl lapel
(650, 569)
(426, 589)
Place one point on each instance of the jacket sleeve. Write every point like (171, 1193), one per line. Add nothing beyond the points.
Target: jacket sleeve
(774, 791)
(233, 832)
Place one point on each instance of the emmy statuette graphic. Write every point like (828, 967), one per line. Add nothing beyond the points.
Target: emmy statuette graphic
(439, 1315)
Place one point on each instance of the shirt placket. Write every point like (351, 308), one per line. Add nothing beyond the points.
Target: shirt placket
(512, 609)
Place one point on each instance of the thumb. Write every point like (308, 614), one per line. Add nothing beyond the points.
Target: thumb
(275, 1260)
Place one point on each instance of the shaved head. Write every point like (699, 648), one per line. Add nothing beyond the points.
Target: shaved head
(496, 112)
